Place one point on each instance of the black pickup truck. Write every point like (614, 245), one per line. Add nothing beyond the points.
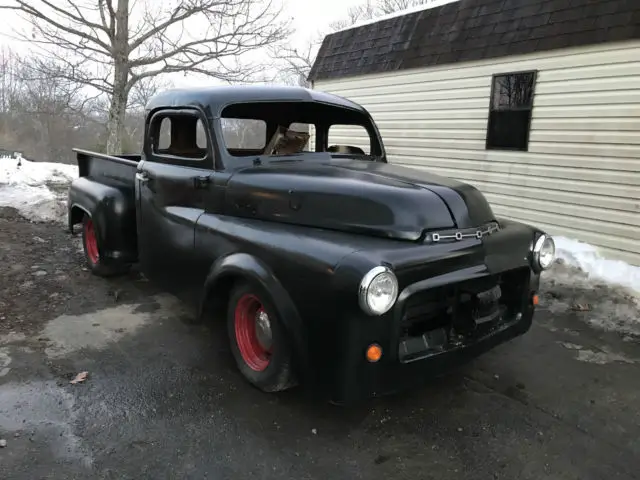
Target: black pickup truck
(332, 267)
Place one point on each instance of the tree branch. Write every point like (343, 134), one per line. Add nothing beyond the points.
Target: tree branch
(35, 15)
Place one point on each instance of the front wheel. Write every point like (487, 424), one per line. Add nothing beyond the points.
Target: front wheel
(257, 338)
(91, 245)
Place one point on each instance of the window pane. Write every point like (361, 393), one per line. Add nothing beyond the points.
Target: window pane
(243, 133)
(349, 139)
(164, 134)
(508, 129)
(201, 135)
(512, 91)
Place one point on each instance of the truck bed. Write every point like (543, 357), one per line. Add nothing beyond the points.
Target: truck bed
(99, 166)
(105, 190)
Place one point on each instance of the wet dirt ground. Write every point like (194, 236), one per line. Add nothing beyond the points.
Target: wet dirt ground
(164, 401)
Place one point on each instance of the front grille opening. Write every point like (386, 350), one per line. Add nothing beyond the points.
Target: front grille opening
(438, 318)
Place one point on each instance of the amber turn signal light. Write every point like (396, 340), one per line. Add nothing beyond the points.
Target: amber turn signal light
(374, 352)
(535, 300)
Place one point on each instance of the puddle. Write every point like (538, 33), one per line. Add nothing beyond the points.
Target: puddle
(96, 330)
(48, 411)
(12, 337)
(601, 357)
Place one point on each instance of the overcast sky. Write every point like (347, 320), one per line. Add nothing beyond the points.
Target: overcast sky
(311, 18)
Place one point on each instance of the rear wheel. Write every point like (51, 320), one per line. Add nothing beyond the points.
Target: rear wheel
(94, 261)
(257, 339)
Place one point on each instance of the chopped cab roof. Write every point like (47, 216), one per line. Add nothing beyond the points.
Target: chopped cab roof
(215, 98)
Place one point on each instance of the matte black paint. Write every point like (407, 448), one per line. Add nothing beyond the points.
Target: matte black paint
(306, 229)
(105, 190)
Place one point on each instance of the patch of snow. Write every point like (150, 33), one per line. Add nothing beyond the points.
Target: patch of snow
(588, 259)
(24, 185)
(610, 307)
(601, 357)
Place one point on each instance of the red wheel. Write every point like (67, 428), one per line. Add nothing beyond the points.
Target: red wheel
(258, 341)
(95, 262)
(91, 243)
(253, 332)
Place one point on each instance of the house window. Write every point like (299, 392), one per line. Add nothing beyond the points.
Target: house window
(510, 111)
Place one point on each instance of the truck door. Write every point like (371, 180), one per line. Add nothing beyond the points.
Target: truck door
(171, 188)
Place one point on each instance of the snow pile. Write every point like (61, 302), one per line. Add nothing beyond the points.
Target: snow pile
(587, 259)
(603, 293)
(566, 289)
(36, 189)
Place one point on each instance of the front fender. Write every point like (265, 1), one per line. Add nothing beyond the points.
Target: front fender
(113, 212)
(246, 266)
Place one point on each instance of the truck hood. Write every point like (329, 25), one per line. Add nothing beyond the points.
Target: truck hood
(355, 196)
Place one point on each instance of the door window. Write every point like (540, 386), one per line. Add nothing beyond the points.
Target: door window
(179, 136)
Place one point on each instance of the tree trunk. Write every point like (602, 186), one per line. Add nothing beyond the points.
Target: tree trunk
(117, 111)
(120, 95)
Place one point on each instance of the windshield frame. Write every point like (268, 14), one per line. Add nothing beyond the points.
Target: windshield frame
(351, 116)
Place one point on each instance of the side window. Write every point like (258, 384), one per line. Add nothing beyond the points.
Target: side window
(510, 111)
(179, 135)
(201, 135)
(349, 139)
(164, 135)
(244, 134)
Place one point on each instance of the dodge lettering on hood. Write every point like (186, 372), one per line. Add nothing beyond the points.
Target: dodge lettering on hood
(276, 211)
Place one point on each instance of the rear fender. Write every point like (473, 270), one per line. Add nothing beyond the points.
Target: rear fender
(113, 212)
(237, 266)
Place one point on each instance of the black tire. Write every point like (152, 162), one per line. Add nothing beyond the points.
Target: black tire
(277, 375)
(91, 247)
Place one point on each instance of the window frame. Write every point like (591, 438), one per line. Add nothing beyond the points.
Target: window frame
(156, 117)
(487, 146)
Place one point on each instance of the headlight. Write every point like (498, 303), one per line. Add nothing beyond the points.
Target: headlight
(544, 253)
(378, 291)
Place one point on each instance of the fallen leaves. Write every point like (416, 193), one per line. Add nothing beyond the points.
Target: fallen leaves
(81, 377)
(581, 307)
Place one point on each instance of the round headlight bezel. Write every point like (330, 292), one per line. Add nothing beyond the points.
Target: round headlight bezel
(365, 285)
(537, 248)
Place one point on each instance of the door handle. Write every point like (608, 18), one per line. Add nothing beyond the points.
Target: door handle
(201, 181)
(142, 176)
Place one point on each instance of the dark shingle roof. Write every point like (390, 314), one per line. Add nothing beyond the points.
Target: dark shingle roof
(474, 30)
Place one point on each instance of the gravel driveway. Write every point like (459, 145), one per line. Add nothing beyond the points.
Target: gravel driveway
(163, 400)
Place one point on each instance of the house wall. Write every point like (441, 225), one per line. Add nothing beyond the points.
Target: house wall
(581, 174)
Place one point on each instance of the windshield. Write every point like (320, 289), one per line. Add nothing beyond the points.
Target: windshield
(292, 128)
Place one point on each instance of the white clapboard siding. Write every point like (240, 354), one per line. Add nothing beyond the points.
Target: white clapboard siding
(581, 175)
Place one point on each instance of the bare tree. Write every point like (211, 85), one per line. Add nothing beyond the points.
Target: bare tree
(295, 63)
(8, 81)
(39, 115)
(373, 9)
(143, 90)
(111, 46)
